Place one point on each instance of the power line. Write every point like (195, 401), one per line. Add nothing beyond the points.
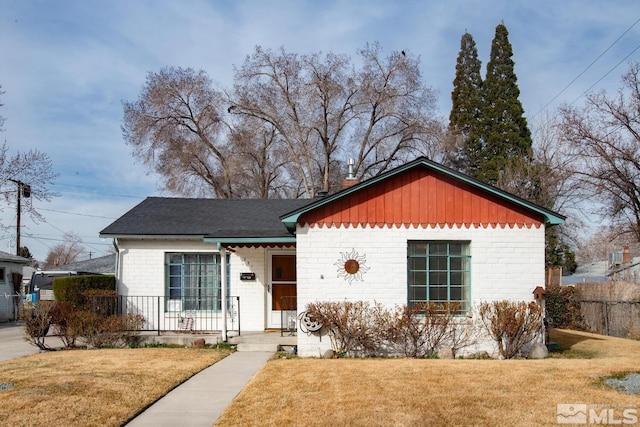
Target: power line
(78, 214)
(607, 73)
(587, 68)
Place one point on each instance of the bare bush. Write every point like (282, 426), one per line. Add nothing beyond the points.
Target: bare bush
(462, 333)
(362, 329)
(68, 323)
(511, 324)
(420, 330)
(355, 328)
(37, 322)
(109, 331)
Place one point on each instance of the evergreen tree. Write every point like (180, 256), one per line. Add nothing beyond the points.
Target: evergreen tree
(504, 132)
(465, 116)
(24, 252)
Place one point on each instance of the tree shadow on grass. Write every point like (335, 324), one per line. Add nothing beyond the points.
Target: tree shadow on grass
(567, 339)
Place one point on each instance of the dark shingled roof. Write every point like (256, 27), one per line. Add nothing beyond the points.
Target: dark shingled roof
(7, 257)
(101, 265)
(222, 218)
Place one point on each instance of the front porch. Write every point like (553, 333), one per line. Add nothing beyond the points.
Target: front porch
(249, 341)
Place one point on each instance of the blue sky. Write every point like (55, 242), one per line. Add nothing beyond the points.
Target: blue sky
(67, 66)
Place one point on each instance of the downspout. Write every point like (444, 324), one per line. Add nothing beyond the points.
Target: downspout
(223, 287)
(116, 268)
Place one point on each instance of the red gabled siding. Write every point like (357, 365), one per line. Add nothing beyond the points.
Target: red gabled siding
(421, 196)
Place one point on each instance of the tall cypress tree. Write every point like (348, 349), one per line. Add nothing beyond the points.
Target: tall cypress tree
(465, 116)
(504, 132)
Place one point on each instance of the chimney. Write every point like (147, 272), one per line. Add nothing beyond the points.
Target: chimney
(350, 180)
(626, 255)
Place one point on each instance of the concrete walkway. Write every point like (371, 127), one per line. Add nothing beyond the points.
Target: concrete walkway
(12, 342)
(201, 400)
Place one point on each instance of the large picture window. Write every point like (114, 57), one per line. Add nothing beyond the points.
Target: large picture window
(439, 271)
(193, 281)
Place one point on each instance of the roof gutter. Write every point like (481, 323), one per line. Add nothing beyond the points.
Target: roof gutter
(248, 240)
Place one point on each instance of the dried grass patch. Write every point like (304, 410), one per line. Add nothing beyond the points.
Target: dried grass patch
(408, 392)
(94, 387)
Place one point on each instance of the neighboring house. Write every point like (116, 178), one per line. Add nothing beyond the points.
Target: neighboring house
(10, 283)
(101, 265)
(420, 232)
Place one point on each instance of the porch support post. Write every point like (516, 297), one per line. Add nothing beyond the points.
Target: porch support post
(223, 293)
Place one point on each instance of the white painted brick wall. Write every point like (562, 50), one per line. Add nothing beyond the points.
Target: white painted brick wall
(143, 274)
(506, 263)
(251, 293)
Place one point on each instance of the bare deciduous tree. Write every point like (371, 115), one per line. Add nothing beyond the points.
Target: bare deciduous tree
(605, 135)
(1, 117)
(324, 108)
(31, 171)
(65, 253)
(34, 171)
(288, 125)
(177, 130)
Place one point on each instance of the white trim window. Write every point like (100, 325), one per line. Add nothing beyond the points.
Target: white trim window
(192, 281)
(440, 272)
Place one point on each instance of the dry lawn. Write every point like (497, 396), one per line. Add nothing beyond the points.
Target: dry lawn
(93, 387)
(405, 392)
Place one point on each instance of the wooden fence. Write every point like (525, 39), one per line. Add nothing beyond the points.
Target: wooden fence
(613, 318)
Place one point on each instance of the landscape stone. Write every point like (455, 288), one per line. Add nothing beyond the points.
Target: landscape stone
(329, 354)
(199, 343)
(445, 353)
(538, 351)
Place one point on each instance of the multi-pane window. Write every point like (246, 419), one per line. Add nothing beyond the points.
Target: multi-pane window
(439, 271)
(193, 281)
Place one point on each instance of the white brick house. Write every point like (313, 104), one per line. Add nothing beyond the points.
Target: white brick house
(421, 232)
(11, 270)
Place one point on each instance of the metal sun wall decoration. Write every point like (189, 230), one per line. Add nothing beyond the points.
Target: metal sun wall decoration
(351, 266)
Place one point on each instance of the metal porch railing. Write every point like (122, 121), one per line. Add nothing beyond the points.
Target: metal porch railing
(164, 314)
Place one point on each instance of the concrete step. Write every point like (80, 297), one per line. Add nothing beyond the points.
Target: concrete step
(245, 346)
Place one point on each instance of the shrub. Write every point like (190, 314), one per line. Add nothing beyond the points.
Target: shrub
(101, 301)
(37, 320)
(562, 307)
(68, 323)
(363, 329)
(355, 328)
(462, 333)
(512, 325)
(109, 331)
(420, 330)
(71, 289)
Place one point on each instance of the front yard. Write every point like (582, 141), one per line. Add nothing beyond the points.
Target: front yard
(93, 387)
(108, 387)
(407, 392)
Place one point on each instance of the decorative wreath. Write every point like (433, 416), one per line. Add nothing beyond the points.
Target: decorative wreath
(351, 266)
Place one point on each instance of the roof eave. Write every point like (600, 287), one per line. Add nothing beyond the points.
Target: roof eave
(152, 236)
(249, 240)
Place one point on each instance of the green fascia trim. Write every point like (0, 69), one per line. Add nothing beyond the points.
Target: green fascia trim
(15, 261)
(229, 240)
(551, 218)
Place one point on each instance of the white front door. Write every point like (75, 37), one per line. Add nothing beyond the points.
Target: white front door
(281, 290)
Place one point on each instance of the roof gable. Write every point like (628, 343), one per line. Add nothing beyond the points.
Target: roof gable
(422, 192)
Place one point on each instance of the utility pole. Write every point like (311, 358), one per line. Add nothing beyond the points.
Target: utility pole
(23, 190)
